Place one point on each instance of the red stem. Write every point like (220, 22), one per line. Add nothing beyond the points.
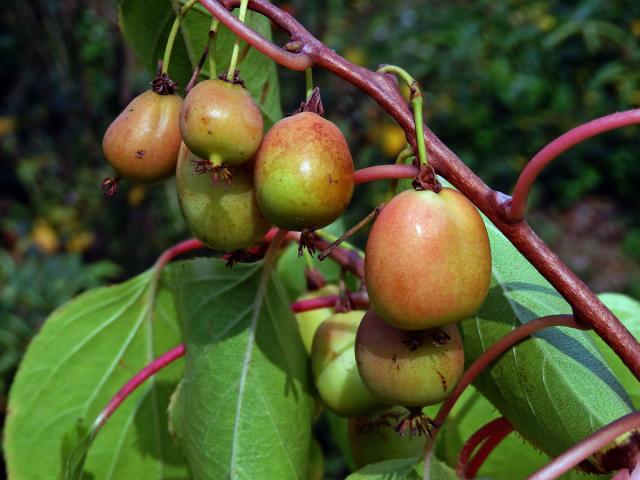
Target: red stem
(384, 90)
(486, 448)
(587, 447)
(314, 303)
(484, 360)
(499, 427)
(178, 249)
(153, 367)
(564, 142)
(384, 172)
(359, 300)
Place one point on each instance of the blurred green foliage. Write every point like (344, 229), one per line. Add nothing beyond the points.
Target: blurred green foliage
(501, 79)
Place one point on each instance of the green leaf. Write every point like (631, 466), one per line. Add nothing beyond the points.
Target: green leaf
(86, 351)
(146, 25)
(403, 469)
(627, 310)
(555, 388)
(290, 267)
(245, 406)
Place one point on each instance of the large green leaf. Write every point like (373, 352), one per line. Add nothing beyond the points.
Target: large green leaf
(555, 388)
(146, 24)
(627, 310)
(245, 406)
(403, 469)
(85, 352)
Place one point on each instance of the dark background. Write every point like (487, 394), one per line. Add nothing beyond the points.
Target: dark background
(501, 79)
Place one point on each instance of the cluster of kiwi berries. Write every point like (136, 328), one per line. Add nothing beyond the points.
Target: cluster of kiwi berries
(233, 184)
(427, 267)
(427, 259)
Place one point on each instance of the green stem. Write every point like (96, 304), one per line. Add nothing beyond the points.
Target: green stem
(401, 159)
(213, 35)
(308, 258)
(308, 75)
(416, 107)
(174, 33)
(236, 46)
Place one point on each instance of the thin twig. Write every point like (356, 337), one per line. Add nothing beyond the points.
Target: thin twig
(362, 223)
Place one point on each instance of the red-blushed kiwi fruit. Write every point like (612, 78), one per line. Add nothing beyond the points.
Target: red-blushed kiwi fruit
(308, 322)
(428, 260)
(333, 365)
(374, 439)
(142, 143)
(224, 217)
(221, 123)
(407, 367)
(304, 173)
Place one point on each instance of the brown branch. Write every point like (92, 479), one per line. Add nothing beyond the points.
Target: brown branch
(384, 90)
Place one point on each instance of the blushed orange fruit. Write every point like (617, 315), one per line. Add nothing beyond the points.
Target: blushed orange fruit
(221, 123)
(142, 143)
(303, 173)
(407, 367)
(428, 260)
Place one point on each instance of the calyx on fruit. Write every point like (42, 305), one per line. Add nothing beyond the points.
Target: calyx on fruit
(303, 173)
(428, 260)
(224, 217)
(308, 322)
(333, 365)
(374, 439)
(408, 368)
(221, 123)
(142, 143)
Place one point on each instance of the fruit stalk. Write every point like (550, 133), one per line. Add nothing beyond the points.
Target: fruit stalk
(173, 34)
(382, 88)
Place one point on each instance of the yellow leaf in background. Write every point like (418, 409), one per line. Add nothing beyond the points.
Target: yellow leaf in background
(136, 195)
(635, 97)
(391, 139)
(80, 241)
(635, 27)
(7, 125)
(356, 55)
(44, 236)
(546, 22)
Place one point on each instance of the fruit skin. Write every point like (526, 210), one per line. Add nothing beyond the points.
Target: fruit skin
(308, 322)
(304, 173)
(224, 217)
(428, 260)
(408, 368)
(142, 143)
(334, 369)
(220, 121)
(372, 443)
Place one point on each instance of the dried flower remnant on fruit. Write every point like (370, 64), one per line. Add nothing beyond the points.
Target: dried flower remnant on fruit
(143, 142)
